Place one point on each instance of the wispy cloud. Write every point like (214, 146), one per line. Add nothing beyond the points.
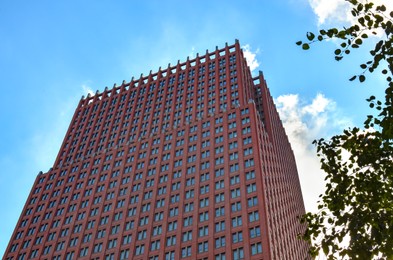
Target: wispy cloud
(305, 121)
(192, 53)
(87, 90)
(251, 57)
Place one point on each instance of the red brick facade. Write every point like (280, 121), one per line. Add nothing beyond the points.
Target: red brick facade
(191, 162)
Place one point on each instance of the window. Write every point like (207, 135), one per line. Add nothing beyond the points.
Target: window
(255, 232)
(203, 231)
(160, 203)
(247, 140)
(155, 245)
(248, 163)
(235, 179)
(101, 233)
(235, 193)
(250, 175)
(157, 230)
(73, 241)
(174, 212)
(142, 235)
(170, 255)
(124, 254)
(110, 257)
(205, 154)
(234, 167)
(219, 160)
(256, 248)
(247, 151)
(143, 221)
(251, 188)
(190, 181)
(129, 225)
(238, 254)
(219, 197)
(219, 149)
(87, 238)
(219, 172)
(172, 226)
(205, 165)
(220, 242)
(187, 236)
(204, 202)
(232, 134)
(140, 249)
(84, 251)
(175, 198)
(204, 189)
(233, 145)
(233, 156)
(187, 221)
(220, 211)
(237, 221)
(237, 237)
(189, 207)
(127, 239)
(219, 184)
(203, 247)
(253, 216)
(220, 226)
(69, 256)
(186, 251)
(204, 216)
(252, 202)
(97, 248)
(171, 241)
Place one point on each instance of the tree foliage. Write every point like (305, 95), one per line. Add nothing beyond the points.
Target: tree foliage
(355, 218)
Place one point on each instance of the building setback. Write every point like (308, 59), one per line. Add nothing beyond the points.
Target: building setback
(191, 162)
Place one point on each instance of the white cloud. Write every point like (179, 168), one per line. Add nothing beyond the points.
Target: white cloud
(331, 10)
(87, 90)
(250, 57)
(305, 122)
(338, 11)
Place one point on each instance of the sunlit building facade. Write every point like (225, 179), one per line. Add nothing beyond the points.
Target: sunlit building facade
(190, 162)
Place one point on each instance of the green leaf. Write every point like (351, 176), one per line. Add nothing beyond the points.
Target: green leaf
(337, 52)
(305, 46)
(353, 78)
(361, 21)
(362, 78)
(310, 36)
(299, 43)
(363, 66)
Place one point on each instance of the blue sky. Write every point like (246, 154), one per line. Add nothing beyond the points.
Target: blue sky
(53, 52)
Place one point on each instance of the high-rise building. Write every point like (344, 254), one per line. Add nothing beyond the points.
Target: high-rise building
(190, 162)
